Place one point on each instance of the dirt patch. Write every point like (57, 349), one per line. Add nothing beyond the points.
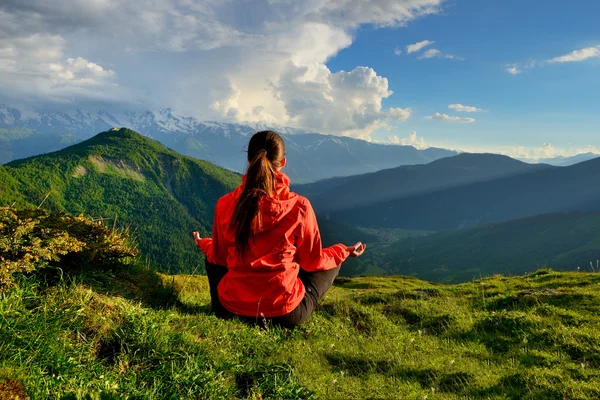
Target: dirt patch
(79, 171)
(12, 389)
(122, 168)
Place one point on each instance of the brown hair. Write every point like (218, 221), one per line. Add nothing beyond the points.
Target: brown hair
(265, 153)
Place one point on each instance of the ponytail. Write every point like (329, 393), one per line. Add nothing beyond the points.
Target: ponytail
(265, 152)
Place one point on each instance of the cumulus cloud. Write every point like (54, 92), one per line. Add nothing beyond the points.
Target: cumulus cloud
(446, 118)
(240, 61)
(413, 48)
(411, 140)
(577, 55)
(462, 108)
(399, 114)
(341, 102)
(397, 51)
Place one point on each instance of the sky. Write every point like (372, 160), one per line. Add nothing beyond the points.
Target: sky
(515, 77)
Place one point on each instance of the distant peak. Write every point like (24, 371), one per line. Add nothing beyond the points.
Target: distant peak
(120, 132)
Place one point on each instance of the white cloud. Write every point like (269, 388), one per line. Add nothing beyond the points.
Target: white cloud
(446, 118)
(352, 13)
(212, 59)
(462, 108)
(36, 67)
(412, 48)
(430, 53)
(435, 53)
(533, 154)
(79, 70)
(397, 51)
(513, 69)
(547, 150)
(574, 56)
(577, 55)
(340, 103)
(399, 114)
(411, 140)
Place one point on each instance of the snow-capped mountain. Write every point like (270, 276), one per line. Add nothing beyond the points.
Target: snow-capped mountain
(311, 156)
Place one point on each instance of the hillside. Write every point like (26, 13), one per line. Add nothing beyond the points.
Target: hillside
(563, 241)
(312, 156)
(548, 190)
(85, 318)
(132, 181)
(387, 338)
(340, 194)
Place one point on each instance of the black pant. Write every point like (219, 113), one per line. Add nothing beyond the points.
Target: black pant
(315, 283)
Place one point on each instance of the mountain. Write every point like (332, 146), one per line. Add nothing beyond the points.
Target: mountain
(564, 241)
(566, 161)
(340, 194)
(542, 191)
(132, 181)
(313, 156)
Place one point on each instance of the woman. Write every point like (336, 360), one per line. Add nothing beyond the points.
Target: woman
(265, 259)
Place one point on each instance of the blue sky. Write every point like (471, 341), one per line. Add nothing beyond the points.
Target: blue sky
(556, 103)
(528, 71)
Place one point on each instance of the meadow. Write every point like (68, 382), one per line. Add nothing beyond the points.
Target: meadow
(132, 334)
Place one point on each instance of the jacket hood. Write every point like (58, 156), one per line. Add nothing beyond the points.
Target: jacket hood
(271, 210)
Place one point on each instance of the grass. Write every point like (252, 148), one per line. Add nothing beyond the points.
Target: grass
(138, 335)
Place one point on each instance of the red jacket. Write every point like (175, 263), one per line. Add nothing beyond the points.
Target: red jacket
(286, 238)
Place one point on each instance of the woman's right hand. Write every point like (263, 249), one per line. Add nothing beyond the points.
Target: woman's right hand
(357, 250)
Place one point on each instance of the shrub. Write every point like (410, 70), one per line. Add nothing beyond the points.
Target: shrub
(32, 240)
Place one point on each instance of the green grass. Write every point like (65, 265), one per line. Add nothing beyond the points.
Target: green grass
(134, 334)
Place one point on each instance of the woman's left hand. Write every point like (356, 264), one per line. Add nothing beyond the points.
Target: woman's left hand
(196, 236)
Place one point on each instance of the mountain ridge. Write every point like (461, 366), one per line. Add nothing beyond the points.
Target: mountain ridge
(559, 189)
(314, 156)
(336, 195)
